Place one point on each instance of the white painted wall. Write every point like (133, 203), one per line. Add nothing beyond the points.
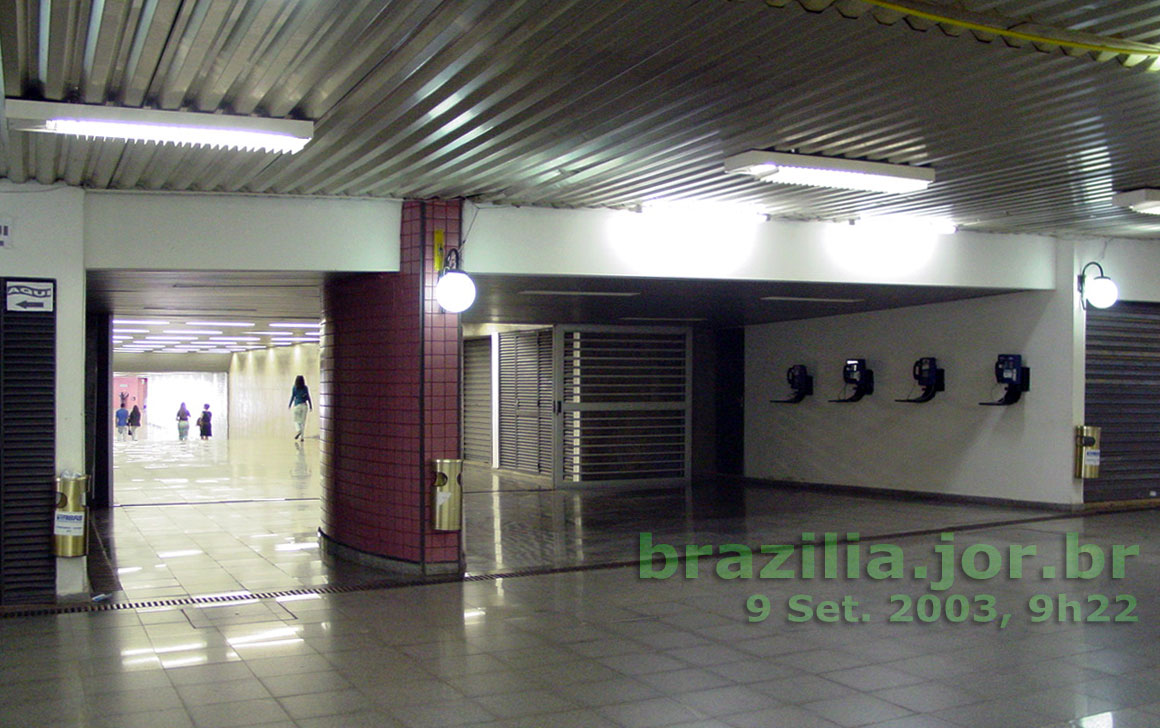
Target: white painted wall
(610, 243)
(950, 445)
(159, 231)
(48, 242)
(260, 383)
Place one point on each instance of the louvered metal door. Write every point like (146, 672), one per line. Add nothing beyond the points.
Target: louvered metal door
(525, 401)
(27, 452)
(477, 400)
(624, 397)
(1122, 398)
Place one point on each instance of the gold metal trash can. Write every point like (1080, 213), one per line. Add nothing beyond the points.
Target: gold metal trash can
(446, 513)
(1087, 451)
(70, 526)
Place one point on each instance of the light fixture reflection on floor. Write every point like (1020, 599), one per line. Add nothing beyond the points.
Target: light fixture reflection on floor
(815, 171)
(1099, 291)
(247, 133)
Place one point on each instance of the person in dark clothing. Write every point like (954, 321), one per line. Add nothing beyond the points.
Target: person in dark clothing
(300, 404)
(134, 422)
(205, 423)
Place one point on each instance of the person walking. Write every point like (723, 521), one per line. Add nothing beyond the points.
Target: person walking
(182, 423)
(299, 405)
(134, 422)
(121, 418)
(205, 423)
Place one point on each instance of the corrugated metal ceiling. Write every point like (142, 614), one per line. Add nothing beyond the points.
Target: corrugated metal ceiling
(600, 103)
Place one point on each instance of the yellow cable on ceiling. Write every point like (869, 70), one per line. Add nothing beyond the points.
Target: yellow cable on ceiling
(1129, 48)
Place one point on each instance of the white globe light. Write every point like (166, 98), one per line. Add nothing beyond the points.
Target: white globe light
(1100, 291)
(455, 291)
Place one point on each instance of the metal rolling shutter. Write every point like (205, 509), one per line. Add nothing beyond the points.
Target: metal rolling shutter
(477, 400)
(625, 402)
(525, 401)
(1122, 397)
(27, 454)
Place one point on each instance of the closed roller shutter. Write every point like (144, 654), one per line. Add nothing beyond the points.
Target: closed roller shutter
(525, 401)
(477, 400)
(1122, 397)
(27, 454)
(625, 402)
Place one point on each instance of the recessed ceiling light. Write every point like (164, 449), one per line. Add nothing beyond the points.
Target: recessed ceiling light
(812, 299)
(610, 294)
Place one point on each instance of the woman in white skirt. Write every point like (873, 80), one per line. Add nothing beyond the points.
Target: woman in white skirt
(300, 404)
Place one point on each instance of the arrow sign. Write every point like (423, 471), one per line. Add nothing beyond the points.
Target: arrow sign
(30, 296)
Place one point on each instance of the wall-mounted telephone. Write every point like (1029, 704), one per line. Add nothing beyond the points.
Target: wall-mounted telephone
(929, 377)
(801, 384)
(1016, 378)
(856, 374)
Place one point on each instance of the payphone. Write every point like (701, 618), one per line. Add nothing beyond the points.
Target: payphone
(1016, 378)
(857, 375)
(929, 377)
(801, 384)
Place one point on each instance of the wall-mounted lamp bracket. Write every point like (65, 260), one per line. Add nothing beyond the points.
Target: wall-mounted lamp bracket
(1098, 291)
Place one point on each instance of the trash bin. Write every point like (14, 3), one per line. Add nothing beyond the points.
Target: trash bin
(446, 514)
(1087, 451)
(70, 527)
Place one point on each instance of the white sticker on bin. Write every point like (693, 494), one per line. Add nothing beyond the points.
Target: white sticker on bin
(69, 524)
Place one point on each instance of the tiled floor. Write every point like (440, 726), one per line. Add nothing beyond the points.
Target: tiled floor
(607, 648)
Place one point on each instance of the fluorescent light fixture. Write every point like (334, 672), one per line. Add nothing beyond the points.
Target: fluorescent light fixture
(140, 322)
(812, 299)
(248, 133)
(609, 294)
(296, 325)
(130, 331)
(217, 323)
(235, 338)
(662, 318)
(1146, 201)
(192, 331)
(814, 171)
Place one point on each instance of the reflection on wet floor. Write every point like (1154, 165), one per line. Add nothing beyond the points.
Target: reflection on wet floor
(227, 516)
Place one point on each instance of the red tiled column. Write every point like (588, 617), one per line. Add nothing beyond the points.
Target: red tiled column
(389, 403)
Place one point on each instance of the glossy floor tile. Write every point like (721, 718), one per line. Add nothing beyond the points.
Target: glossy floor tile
(226, 516)
(890, 641)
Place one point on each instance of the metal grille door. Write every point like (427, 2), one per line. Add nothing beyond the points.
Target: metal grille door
(27, 444)
(477, 400)
(525, 401)
(1122, 397)
(624, 401)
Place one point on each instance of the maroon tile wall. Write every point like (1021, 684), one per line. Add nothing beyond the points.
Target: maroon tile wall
(389, 398)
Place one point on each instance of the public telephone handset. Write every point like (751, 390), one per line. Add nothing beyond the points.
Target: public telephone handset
(855, 374)
(1010, 372)
(929, 377)
(801, 384)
